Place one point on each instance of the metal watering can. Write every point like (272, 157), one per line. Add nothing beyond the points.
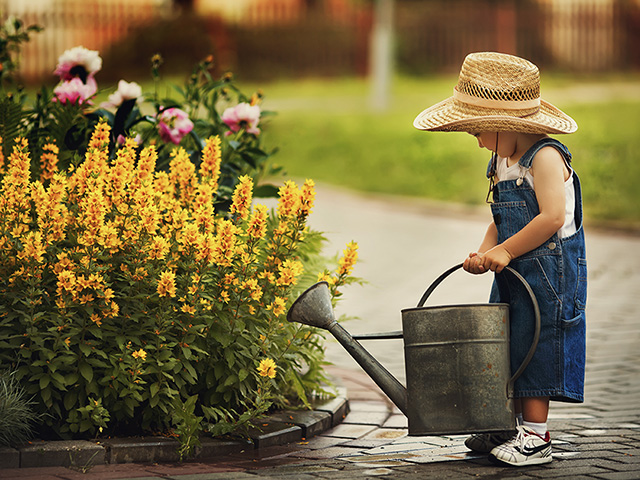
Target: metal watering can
(456, 360)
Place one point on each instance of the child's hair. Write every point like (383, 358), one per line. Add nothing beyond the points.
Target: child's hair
(496, 92)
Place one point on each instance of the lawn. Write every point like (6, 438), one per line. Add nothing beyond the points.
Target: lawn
(326, 130)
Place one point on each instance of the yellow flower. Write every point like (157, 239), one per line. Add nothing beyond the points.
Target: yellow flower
(257, 227)
(307, 197)
(159, 248)
(167, 284)
(289, 270)
(48, 161)
(289, 201)
(210, 166)
(349, 259)
(188, 309)
(141, 354)
(277, 306)
(267, 368)
(242, 196)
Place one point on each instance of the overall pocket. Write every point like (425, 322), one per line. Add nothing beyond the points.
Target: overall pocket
(510, 218)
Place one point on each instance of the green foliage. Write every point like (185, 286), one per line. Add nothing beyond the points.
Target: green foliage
(141, 290)
(17, 416)
(125, 299)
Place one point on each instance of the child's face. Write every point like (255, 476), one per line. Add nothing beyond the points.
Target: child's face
(486, 140)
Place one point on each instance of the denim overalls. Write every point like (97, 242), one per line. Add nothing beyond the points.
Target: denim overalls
(557, 273)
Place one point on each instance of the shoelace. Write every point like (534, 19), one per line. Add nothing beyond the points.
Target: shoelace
(521, 437)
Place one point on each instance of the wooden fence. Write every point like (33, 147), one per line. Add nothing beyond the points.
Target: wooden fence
(284, 38)
(94, 24)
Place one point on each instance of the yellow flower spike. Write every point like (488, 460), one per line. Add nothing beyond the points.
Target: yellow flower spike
(267, 368)
(289, 271)
(307, 197)
(147, 164)
(167, 284)
(257, 227)
(210, 165)
(289, 200)
(349, 259)
(242, 197)
(100, 136)
(1, 157)
(182, 175)
(48, 161)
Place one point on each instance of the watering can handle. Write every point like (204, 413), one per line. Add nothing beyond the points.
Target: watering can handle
(534, 302)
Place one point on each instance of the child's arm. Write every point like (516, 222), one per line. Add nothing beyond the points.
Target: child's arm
(549, 172)
(473, 263)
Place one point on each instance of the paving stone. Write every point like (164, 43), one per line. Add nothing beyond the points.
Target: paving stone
(401, 447)
(337, 407)
(330, 452)
(321, 442)
(373, 406)
(349, 431)
(367, 418)
(78, 453)
(396, 421)
(141, 449)
(312, 423)
(274, 433)
(9, 458)
(213, 447)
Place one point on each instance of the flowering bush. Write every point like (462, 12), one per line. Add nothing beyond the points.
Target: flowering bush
(138, 299)
(66, 115)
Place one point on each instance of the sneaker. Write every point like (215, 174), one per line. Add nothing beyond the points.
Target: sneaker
(485, 442)
(526, 448)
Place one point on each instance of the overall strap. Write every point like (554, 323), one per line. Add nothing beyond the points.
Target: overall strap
(527, 159)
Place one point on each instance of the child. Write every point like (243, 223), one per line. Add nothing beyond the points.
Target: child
(537, 230)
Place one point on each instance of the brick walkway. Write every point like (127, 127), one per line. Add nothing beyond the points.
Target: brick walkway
(599, 439)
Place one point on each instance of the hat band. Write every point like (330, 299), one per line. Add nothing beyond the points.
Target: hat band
(495, 104)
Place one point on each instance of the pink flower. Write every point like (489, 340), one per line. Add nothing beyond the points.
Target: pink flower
(242, 116)
(75, 90)
(78, 62)
(126, 91)
(173, 125)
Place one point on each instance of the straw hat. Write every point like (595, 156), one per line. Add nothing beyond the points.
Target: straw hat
(496, 92)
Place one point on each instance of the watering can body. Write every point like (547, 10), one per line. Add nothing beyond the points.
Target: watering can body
(457, 360)
(457, 369)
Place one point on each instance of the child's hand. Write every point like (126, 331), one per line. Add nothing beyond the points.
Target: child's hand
(473, 263)
(496, 259)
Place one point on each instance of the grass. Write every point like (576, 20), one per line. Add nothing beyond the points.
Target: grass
(325, 130)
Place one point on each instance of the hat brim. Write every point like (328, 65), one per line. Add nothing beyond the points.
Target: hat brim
(451, 115)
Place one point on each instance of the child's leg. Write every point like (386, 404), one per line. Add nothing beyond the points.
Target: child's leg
(535, 411)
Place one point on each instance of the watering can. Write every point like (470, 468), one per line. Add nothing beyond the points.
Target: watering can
(456, 360)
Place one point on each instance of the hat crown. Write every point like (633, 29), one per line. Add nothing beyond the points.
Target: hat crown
(498, 76)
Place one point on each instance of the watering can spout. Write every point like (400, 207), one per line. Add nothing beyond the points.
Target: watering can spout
(314, 308)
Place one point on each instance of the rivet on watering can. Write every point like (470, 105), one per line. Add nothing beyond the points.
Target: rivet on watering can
(552, 246)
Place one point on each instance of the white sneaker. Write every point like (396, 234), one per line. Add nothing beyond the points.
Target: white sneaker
(485, 442)
(526, 448)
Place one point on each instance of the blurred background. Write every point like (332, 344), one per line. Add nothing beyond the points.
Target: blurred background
(274, 39)
(347, 77)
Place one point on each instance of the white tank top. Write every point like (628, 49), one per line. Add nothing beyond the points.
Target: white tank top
(516, 171)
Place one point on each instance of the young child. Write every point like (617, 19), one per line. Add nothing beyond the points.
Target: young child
(537, 230)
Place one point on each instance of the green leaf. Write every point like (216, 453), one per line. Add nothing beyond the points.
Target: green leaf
(44, 382)
(154, 388)
(86, 371)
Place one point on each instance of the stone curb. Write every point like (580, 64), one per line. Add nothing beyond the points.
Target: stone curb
(279, 428)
